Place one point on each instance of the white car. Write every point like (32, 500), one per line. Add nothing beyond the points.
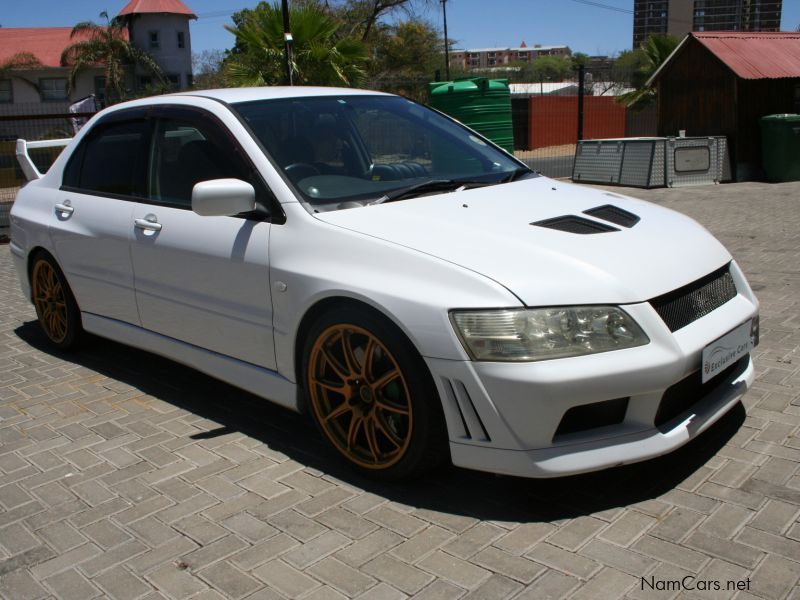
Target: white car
(418, 291)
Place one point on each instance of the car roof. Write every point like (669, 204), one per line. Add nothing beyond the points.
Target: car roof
(232, 95)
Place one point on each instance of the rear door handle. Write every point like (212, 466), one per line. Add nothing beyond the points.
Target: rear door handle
(65, 207)
(149, 223)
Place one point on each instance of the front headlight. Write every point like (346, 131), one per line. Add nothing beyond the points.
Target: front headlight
(522, 335)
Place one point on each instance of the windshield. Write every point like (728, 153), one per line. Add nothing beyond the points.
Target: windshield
(350, 151)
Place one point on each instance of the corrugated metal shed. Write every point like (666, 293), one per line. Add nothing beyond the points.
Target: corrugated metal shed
(756, 55)
(750, 55)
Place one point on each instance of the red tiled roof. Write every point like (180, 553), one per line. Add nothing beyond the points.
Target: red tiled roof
(156, 6)
(45, 43)
(755, 55)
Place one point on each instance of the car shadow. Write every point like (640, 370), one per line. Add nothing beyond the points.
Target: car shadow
(449, 490)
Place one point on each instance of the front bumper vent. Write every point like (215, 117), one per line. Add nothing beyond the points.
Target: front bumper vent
(681, 396)
(685, 305)
(591, 416)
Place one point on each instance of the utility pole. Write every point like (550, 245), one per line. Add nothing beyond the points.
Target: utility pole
(446, 43)
(287, 41)
(581, 94)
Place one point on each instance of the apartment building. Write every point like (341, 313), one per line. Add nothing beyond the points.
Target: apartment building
(679, 17)
(488, 58)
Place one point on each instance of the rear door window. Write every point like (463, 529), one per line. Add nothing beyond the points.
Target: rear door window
(111, 161)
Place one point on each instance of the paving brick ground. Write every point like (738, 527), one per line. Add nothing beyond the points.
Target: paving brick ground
(124, 475)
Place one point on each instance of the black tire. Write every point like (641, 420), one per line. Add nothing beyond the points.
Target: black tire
(387, 444)
(56, 309)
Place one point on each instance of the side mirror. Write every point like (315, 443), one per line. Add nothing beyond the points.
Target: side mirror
(223, 197)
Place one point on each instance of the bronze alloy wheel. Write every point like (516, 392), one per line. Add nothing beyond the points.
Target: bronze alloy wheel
(360, 396)
(50, 300)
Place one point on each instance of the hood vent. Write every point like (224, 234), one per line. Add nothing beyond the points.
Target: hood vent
(614, 214)
(575, 224)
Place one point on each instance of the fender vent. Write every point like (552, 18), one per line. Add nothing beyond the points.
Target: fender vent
(459, 398)
(575, 224)
(614, 214)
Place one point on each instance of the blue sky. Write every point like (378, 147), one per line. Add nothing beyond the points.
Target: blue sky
(473, 23)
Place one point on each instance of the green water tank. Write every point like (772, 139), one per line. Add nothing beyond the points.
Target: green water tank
(780, 147)
(479, 103)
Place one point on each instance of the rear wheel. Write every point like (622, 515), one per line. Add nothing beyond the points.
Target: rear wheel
(371, 395)
(56, 309)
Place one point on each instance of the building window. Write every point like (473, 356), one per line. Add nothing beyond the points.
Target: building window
(174, 82)
(189, 80)
(153, 39)
(53, 89)
(181, 40)
(6, 91)
(145, 81)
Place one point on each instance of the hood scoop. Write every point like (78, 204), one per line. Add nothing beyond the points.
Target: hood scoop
(613, 214)
(575, 224)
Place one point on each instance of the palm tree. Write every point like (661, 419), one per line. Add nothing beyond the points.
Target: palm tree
(657, 50)
(318, 56)
(106, 45)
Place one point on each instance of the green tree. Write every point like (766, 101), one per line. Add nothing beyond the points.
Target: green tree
(207, 67)
(550, 68)
(319, 56)
(653, 54)
(408, 49)
(106, 45)
(578, 59)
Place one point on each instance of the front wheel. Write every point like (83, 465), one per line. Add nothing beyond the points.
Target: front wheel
(371, 395)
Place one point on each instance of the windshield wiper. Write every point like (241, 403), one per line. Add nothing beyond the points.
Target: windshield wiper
(432, 185)
(516, 174)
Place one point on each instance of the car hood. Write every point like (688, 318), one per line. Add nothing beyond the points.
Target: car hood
(489, 230)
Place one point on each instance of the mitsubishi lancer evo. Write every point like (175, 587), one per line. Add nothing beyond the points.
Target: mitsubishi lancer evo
(420, 293)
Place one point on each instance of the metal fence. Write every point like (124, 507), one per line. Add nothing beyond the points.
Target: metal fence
(548, 119)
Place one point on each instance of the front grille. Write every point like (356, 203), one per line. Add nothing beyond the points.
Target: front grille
(681, 396)
(687, 304)
(575, 224)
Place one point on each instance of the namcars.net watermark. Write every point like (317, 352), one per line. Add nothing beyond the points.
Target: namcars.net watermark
(690, 583)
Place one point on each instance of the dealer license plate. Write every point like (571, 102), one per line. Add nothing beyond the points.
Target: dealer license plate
(723, 352)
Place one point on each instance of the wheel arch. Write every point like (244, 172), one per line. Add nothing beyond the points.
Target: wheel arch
(32, 254)
(319, 308)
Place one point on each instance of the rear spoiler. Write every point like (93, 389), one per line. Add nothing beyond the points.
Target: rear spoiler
(26, 163)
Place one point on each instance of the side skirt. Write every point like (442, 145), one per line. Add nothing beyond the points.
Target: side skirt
(251, 378)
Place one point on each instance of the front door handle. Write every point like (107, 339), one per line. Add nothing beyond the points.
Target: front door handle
(65, 207)
(149, 223)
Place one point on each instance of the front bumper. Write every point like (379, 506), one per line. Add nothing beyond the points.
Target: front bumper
(505, 417)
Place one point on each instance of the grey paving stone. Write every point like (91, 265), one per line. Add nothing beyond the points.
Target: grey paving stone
(121, 584)
(284, 578)
(454, 569)
(495, 588)
(316, 549)
(357, 553)
(177, 582)
(229, 580)
(71, 585)
(341, 577)
(404, 577)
